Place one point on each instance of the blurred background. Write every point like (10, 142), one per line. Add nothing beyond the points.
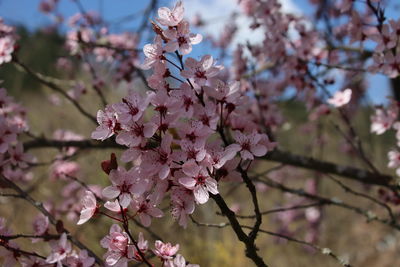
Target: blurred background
(42, 44)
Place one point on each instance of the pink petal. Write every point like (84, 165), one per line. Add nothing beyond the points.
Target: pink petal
(259, 150)
(190, 168)
(187, 182)
(201, 194)
(164, 171)
(211, 185)
(111, 192)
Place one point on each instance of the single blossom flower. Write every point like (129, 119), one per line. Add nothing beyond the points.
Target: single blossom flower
(154, 53)
(340, 98)
(59, 250)
(201, 71)
(171, 18)
(181, 38)
(197, 179)
(125, 184)
(132, 106)
(250, 145)
(117, 244)
(108, 124)
(383, 119)
(165, 251)
(80, 260)
(146, 209)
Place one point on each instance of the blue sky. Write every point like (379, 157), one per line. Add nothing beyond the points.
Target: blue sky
(26, 12)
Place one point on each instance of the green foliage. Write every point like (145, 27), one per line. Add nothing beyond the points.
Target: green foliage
(39, 50)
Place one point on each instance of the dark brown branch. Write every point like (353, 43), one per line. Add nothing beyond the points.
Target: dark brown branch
(310, 163)
(43, 143)
(55, 88)
(282, 210)
(359, 194)
(251, 249)
(327, 201)
(325, 251)
(280, 156)
(253, 192)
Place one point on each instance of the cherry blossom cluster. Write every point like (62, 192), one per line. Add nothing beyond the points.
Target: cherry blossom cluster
(7, 42)
(61, 254)
(14, 162)
(177, 135)
(174, 150)
(196, 126)
(121, 250)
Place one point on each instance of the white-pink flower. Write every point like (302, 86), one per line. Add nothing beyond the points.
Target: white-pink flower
(108, 124)
(182, 204)
(124, 185)
(250, 145)
(132, 106)
(181, 38)
(383, 119)
(6, 49)
(223, 92)
(146, 209)
(172, 17)
(59, 250)
(201, 70)
(134, 133)
(165, 251)
(394, 161)
(80, 260)
(117, 244)
(340, 98)
(154, 53)
(197, 179)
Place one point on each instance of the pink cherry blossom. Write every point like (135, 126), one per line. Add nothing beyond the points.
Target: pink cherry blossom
(340, 98)
(143, 247)
(249, 145)
(394, 161)
(181, 38)
(207, 114)
(154, 53)
(117, 244)
(40, 224)
(172, 17)
(80, 260)
(198, 180)
(7, 137)
(18, 157)
(201, 70)
(61, 169)
(134, 133)
(108, 124)
(179, 261)
(383, 119)
(218, 156)
(132, 106)
(194, 131)
(125, 184)
(59, 250)
(146, 209)
(223, 92)
(6, 49)
(182, 204)
(165, 251)
(158, 160)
